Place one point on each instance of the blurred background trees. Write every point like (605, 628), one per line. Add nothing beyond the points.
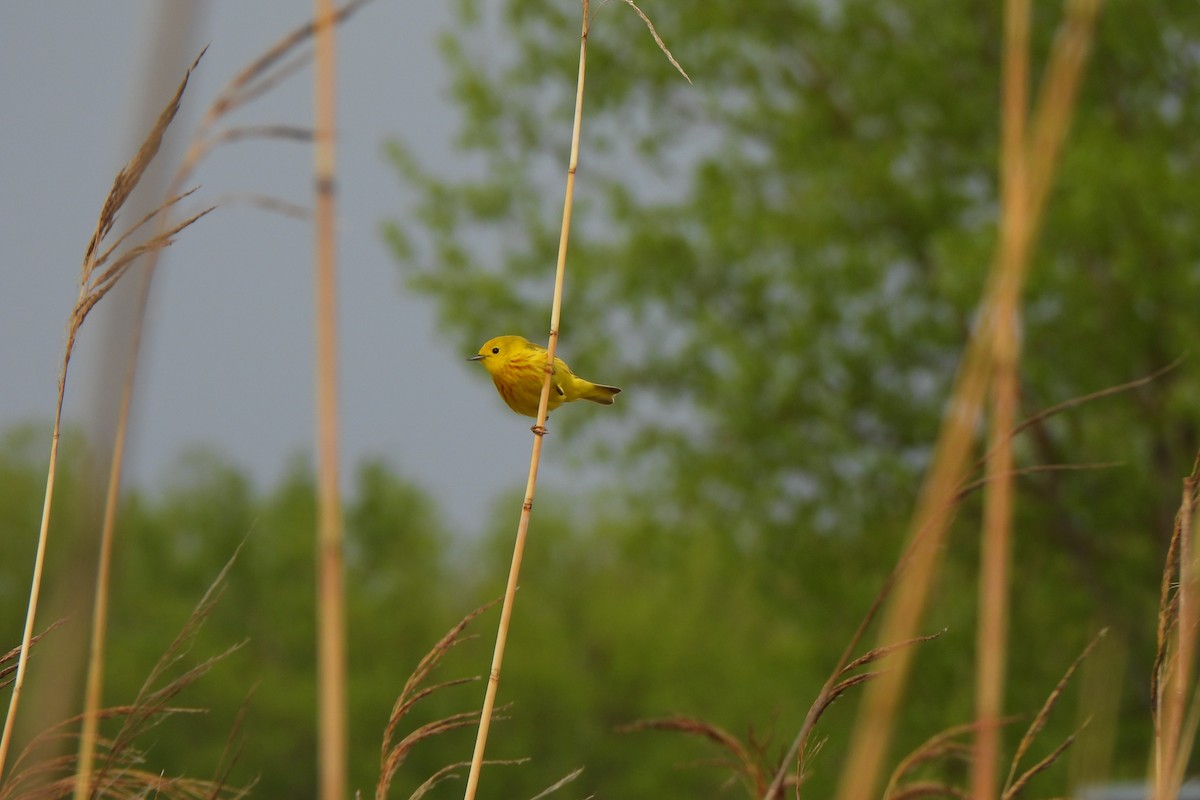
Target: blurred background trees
(779, 263)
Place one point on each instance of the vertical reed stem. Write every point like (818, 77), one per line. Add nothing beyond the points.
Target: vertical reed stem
(36, 585)
(995, 553)
(331, 634)
(95, 674)
(872, 734)
(539, 428)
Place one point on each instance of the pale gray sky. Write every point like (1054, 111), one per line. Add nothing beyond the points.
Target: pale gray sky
(228, 364)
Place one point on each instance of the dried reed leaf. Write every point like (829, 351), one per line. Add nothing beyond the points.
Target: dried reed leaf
(693, 727)
(95, 291)
(1015, 789)
(877, 653)
(658, 39)
(37, 778)
(549, 790)
(264, 84)
(129, 176)
(391, 756)
(973, 486)
(266, 202)
(294, 133)
(236, 92)
(151, 704)
(151, 708)
(1168, 610)
(171, 203)
(744, 764)
(1039, 722)
(232, 751)
(401, 711)
(1087, 398)
(396, 756)
(13, 654)
(100, 286)
(445, 773)
(849, 683)
(182, 642)
(832, 690)
(937, 747)
(406, 698)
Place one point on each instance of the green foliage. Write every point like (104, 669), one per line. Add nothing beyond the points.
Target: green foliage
(781, 264)
(617, 626)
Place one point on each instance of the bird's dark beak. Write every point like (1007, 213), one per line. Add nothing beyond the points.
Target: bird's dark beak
(479, 357)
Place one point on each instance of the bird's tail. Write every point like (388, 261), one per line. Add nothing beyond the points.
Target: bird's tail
(598, 393)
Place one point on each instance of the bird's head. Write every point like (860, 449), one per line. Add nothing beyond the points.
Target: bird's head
(496, 352)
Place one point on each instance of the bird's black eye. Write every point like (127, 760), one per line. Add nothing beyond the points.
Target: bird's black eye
(495, 351)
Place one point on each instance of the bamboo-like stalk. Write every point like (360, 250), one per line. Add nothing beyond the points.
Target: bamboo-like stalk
(331, 625)
(995, 551)
(872, 733)
(539, 430)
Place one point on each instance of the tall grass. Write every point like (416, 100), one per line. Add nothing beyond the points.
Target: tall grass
(331, 602)
(1031, 161)
(1032, 145)
(106, 261)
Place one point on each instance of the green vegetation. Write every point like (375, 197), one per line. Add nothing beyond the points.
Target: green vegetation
(783, 282)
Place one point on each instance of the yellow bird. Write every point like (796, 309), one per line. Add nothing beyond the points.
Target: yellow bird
(518, 368)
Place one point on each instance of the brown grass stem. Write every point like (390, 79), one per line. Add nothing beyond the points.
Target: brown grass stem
(775, 790)
(934, 512)
(96, 648)
(331, 602)
(539, 429)
(1179, 614)
(36, 585)
(92, 288)
(203, 141)
(995, 550)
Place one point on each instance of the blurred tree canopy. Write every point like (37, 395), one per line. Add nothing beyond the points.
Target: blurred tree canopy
(781, 263)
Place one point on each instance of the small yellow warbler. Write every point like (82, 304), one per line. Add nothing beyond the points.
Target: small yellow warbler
(518, 368)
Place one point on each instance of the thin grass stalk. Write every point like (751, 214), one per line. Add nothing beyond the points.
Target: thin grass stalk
(872, 733)
(331, 626)
(1171, 756)
(39, 560)
(234, 95)
(95, 674)
(1185, 650)
(995, 552)
(38, 565)
(1189, 620)
(539, 430)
